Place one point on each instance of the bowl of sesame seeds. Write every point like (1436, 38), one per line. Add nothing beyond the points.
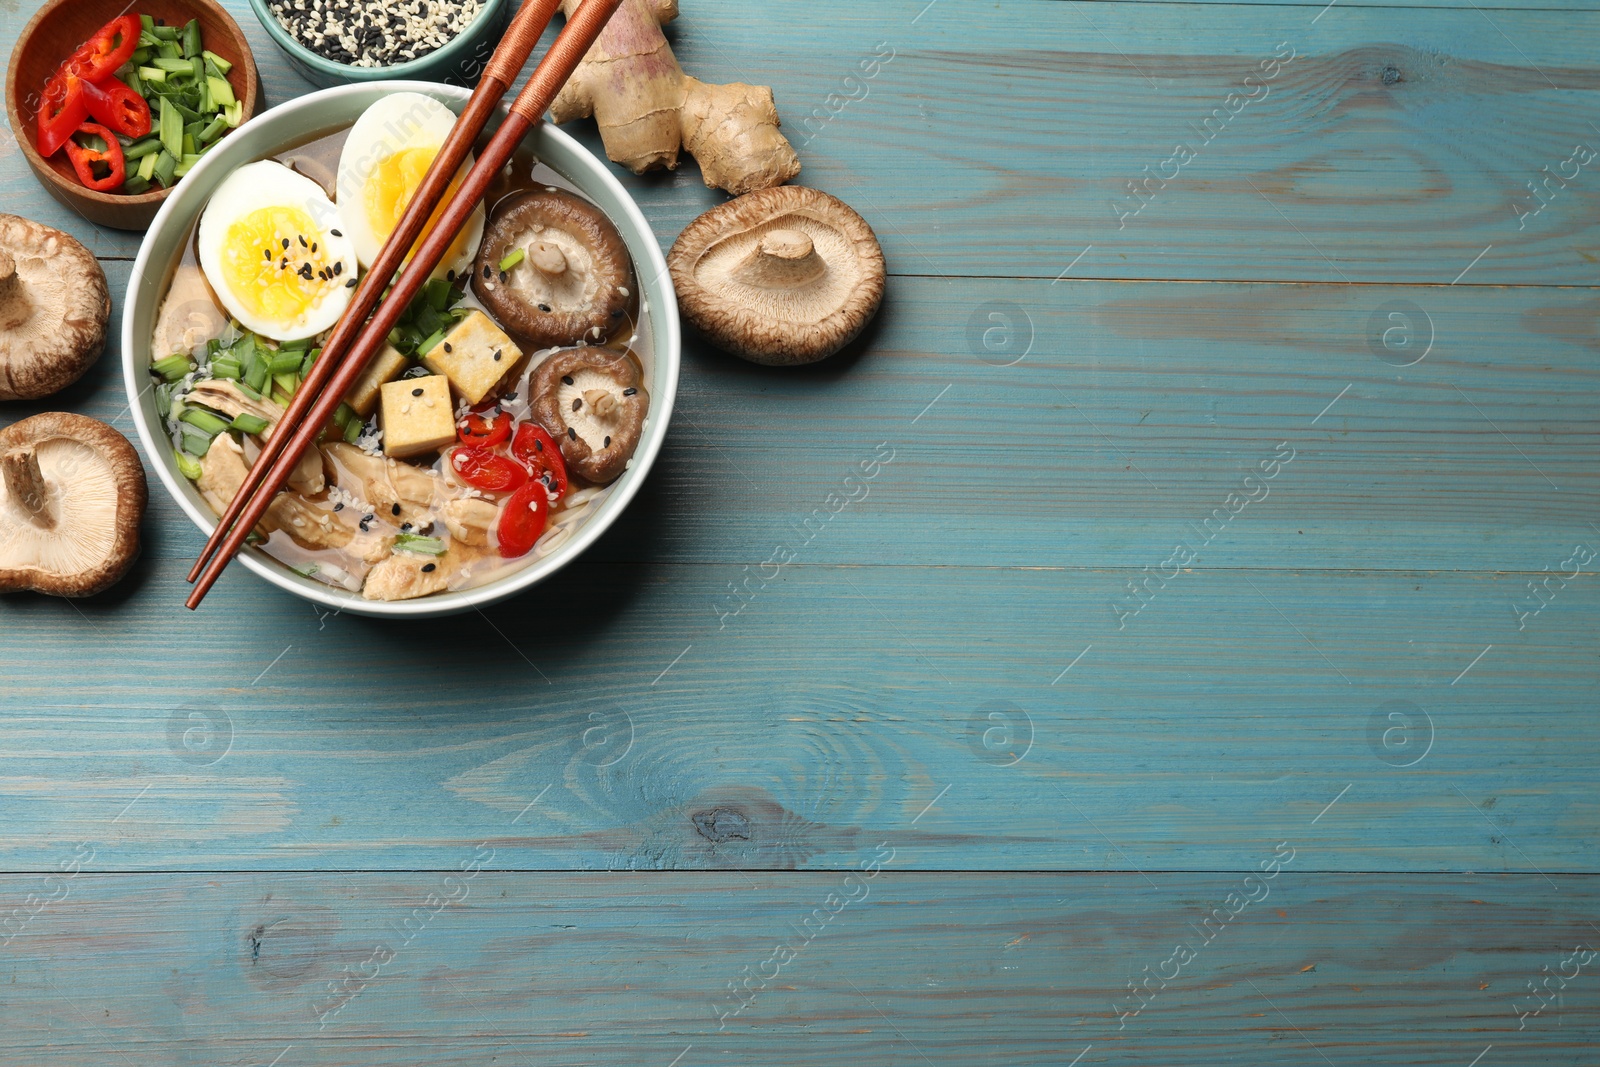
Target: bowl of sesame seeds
(335, 42)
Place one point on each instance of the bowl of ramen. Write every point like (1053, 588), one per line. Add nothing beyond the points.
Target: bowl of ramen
(511, 415)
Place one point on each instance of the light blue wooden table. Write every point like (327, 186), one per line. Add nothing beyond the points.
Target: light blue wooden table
(1207, 675)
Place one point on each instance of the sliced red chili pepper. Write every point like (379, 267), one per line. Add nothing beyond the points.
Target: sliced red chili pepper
(479, 432)
(62, 109)
(487, 470)
(112, 45)
(89, 161)
(113, 103)
(522, 520)
(538, 450)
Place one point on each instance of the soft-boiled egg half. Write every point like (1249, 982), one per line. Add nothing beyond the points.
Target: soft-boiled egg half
(385, 156)
(271, 246)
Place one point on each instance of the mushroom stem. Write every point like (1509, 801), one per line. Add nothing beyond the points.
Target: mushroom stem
(547, 258)
(13, 298)
(600, 401)
(782, 259)
(26, 485)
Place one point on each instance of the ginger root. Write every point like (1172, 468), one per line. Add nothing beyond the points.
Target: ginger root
(647, 107)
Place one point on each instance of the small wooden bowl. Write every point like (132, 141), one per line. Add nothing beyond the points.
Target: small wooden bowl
(53, 35)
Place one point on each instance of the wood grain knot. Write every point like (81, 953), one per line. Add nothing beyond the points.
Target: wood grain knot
(722, 824)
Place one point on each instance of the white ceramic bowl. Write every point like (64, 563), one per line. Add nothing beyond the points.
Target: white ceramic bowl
(322, 112)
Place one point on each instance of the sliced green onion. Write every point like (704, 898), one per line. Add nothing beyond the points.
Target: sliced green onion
(191, 38)
(247, 390)
(309, 570)
(352, 433)
(173, 367)
(431, 546)
(152, 76)
(221, 64)
(234, 112)
(195, 443)
(166, 166)
(226, 368)
(147, 24)
(298, 345)
(214, 129)
(517, 255)
(311, 357)
(163, 396)
(248, 423)
(433, 340)
(173, 66)
(437, 292)
(147, 165)
(186, 164)
(171, 129)
(282, 362)
(221, 91)
(188, 466)
(133, 185)
(163, 33)
(144, 146)
(287, 383)
(203, 420)
(344, 414)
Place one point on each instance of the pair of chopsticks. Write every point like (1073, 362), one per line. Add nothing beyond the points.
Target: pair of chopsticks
(352, 345)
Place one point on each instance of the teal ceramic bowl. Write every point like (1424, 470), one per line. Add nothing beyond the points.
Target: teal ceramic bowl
(458, 63)
(322, 112)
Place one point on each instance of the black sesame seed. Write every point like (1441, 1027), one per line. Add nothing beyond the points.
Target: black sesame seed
(429, 567)
(488, 272)
(405, 527)
(338, 507)
(504, 275)
(336, 233)
(447, 348)
(302, 240)
(286, 243)
(313, 246)
(608, 442)
(351, 284)
(629, 391)
(267, 252)
(572, 434)
(416, 392)
(544, 307)
(566, 379)
(395, 510)
(338, 268)
(577, 402)
(538, 446)
(509, 397)
(497, 355)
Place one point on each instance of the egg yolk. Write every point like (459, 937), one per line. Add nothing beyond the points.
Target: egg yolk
(390, 186)
(274, 262)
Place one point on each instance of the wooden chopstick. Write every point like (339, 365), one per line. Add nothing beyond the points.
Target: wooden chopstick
(502, 69)
(553, 71)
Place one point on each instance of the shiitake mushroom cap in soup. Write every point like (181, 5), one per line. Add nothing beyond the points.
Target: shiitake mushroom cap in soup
(591, 401)
(573, 280)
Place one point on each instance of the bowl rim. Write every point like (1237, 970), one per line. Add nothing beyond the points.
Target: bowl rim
(41, 166)
(666, 357)
(411, 69)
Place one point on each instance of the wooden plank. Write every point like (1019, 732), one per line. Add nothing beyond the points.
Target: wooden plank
(584, 969)
(611, 719)
(1135, 412)
(1393, 148)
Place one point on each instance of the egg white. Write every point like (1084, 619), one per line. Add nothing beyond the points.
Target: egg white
(271, 184)
(393, 124)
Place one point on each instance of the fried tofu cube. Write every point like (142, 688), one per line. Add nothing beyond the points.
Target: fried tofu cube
(386, 366)
(476, 356)
(418, 416)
